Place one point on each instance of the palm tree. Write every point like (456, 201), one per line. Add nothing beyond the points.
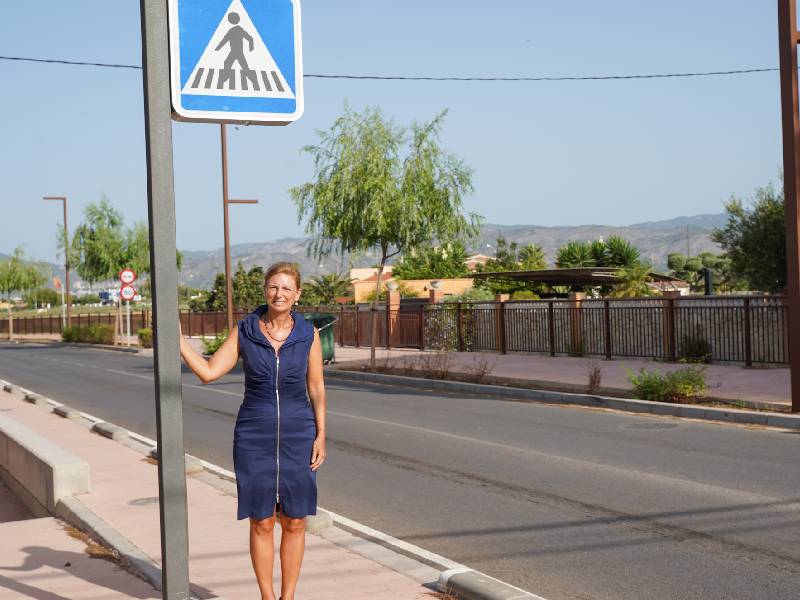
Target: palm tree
(634, 281)
(327, 288)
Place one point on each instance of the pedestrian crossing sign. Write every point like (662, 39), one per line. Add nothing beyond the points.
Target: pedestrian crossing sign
(236, 61)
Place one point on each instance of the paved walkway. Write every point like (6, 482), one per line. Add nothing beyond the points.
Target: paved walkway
(734, 383)
(34, 552)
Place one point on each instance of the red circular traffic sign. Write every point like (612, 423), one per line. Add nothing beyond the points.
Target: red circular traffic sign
(127, 292)
(127, 276)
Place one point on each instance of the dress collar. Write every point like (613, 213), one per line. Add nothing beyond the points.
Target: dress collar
(299, 332)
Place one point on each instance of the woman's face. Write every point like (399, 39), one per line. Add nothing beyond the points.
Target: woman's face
(281, 292)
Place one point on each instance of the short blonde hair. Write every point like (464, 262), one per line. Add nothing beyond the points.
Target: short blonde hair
(286, 268)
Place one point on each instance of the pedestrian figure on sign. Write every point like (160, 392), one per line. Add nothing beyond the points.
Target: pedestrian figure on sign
(235, 38)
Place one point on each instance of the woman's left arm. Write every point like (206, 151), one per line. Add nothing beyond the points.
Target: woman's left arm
(316, 393)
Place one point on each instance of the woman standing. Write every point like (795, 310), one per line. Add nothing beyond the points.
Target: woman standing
(279, 439)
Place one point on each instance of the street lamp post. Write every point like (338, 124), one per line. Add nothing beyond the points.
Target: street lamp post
(788, 39)
(63, 199)
(225, 202)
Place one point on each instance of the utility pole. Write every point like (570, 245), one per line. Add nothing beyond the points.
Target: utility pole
(63, 199)
(787, 49)
(688, 248)
(225, 202)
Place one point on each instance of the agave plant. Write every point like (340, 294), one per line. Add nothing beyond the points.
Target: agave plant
(575, 254)
(619, 252)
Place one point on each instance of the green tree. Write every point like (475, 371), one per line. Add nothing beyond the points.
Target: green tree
(433, 262)
(754, 240)
(691, 270)
(248, 290)
(18, 275)
(619, 252)
(102, 246)
(510, 257)
(325, 289)
(41, 296)
(634, 281)
(380, 186)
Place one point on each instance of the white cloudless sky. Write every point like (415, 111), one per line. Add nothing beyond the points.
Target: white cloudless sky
(545, 153)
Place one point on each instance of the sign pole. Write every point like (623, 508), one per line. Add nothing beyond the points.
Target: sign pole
(787, 49)
(164, 282)
(128, 310)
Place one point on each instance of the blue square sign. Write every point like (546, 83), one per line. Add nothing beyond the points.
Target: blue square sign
(236, 61)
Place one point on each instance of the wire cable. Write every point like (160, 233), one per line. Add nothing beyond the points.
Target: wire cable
(432, 78)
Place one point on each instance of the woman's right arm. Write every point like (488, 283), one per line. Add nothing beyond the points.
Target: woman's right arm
(222, 361)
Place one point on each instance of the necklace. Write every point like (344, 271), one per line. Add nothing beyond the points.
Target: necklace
(266, 328)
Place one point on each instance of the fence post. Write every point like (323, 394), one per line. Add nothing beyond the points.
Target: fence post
(421, 326)
(358, 340)
(669, 325)
(341, 325)
(607, 324)
(500, 321)
(459, 326)
(748, 348)
(551, 327)
(576, 323)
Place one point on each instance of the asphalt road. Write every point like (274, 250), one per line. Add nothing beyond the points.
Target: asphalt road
(569, 503)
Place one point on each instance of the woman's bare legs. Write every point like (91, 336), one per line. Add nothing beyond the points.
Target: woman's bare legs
(262, 554)
(293, 542)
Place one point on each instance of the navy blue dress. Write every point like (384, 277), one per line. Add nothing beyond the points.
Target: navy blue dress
(275, 428)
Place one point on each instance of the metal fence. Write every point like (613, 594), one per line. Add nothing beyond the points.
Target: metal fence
(738, 329)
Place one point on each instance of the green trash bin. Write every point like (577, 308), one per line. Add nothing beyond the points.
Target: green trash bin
(324, 323)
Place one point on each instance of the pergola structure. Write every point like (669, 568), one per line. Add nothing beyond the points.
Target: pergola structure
(578, 276)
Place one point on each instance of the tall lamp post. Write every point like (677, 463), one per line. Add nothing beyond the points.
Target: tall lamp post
(787, 48)
(225, 202)
(63, 199)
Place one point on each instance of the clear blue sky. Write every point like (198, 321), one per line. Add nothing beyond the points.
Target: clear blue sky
(566, 153)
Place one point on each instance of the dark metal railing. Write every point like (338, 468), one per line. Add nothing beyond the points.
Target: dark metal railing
(740, 329)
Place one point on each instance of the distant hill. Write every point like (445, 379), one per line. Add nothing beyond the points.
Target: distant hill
(655, 240)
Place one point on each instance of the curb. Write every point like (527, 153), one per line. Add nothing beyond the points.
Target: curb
(465, 583)
(688, 411)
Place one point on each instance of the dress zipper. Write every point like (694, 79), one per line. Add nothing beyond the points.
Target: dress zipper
(278, 439)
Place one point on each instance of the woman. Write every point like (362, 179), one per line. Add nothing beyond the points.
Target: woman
(279, 439)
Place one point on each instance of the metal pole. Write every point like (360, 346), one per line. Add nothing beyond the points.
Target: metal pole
(787, 46)
(226, 202)
(164, 289)
(223, 136)
(63, 200)
(128, 309)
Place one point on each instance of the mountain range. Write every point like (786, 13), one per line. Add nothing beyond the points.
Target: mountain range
(654, 239)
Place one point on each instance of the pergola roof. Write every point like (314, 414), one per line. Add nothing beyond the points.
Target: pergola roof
(576, 276)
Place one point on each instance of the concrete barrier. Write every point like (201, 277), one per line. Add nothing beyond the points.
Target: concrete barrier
(37, 471)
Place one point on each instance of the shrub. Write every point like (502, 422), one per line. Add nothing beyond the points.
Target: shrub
(96, 334)
(595, 376)
(682, 384)
(145, 337)
(101, 334)
(524, 295)
(212, 345)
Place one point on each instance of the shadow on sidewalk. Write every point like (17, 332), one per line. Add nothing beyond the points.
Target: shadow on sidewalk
(73, 563)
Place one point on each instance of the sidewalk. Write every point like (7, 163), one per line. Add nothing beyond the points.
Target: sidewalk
(731, 383)
(40, 559)
(124, 492)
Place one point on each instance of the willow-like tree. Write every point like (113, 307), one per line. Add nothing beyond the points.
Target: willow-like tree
(102, 246)
(380, 186)
(18, 275)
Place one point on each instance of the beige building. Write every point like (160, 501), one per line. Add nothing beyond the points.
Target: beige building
(364, 280)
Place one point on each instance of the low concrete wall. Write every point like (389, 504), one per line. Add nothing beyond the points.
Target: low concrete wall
(37, 471)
